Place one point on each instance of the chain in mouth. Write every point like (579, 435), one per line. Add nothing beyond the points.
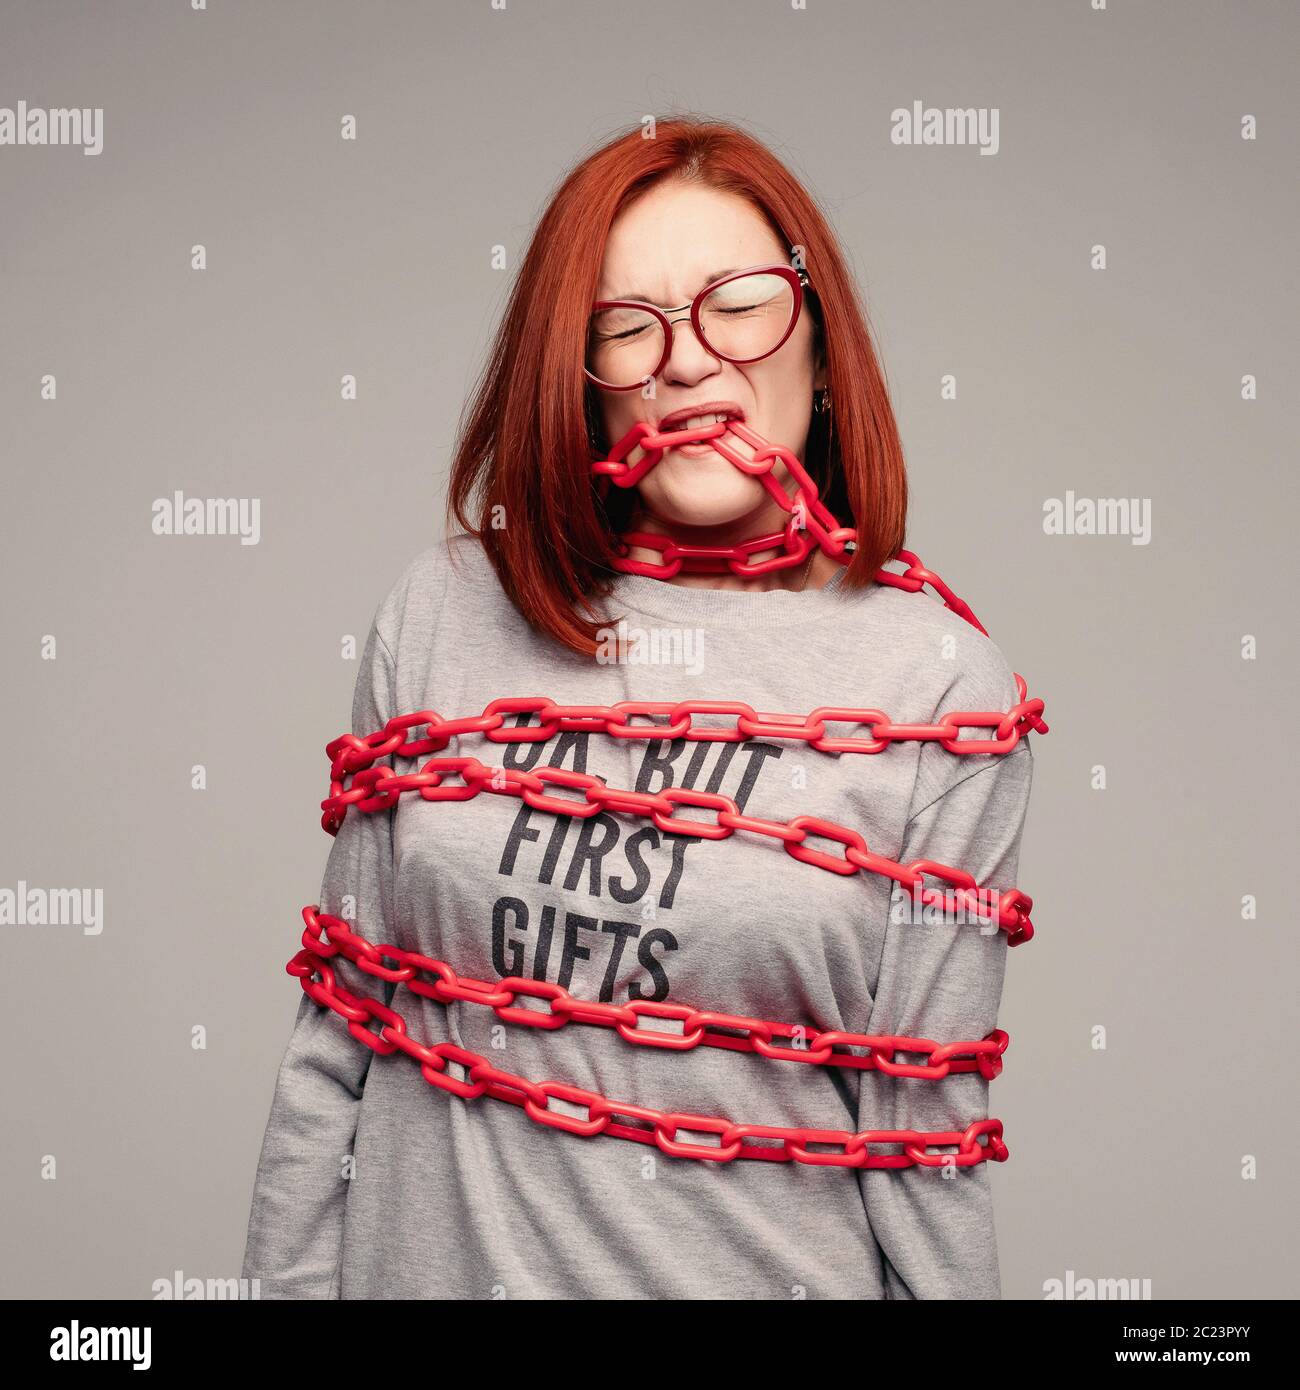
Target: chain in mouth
(692, 418)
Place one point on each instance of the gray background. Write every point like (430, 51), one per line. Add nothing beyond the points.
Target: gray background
(325, 257)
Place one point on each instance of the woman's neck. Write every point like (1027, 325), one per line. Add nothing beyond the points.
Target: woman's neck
(814, 572)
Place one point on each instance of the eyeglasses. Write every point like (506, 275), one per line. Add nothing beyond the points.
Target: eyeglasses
(741, 318)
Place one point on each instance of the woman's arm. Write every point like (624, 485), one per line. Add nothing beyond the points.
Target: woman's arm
(935, 1226)
(295, 1226)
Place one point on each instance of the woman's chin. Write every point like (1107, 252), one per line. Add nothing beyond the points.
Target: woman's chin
(709, 503)
(700, 518)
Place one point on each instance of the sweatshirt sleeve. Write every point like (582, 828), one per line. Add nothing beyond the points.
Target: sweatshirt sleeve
(295, 1226)
(943, 981)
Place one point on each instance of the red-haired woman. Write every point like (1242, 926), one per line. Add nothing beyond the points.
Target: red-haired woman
(451, 1144)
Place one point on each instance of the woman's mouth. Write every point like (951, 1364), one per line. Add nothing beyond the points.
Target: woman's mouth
(681, 422)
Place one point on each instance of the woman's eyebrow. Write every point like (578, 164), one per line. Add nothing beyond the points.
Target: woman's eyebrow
(708, 280)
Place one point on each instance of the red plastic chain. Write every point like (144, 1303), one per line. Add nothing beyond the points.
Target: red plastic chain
(376, 788)
(620, 1119)
(350, 754)
(699, 1027)
(811, 523)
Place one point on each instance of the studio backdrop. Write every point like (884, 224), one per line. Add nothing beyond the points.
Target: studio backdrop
(256, 252)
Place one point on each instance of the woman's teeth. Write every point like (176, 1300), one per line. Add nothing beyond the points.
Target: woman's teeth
(696, 422)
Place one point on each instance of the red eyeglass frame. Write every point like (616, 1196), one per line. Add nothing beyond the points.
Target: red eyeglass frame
(797, 279)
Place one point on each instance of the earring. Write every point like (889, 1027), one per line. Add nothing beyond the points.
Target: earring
(822, 401)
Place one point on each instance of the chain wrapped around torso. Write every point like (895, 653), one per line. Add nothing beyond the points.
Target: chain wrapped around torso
(376, 788)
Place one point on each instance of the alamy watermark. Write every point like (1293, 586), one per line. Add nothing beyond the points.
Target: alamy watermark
(1078, 1287)
(1098, 516)
(52, 907)
(656, 646)
(76, 1343)
(976, 907)
(60, 125)
(946, 125)
(190, 1287)
(179, 515)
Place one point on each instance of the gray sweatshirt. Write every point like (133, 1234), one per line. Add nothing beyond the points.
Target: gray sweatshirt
(374, 1184)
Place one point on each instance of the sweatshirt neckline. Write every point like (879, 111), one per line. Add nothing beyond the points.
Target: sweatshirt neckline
(725, 607)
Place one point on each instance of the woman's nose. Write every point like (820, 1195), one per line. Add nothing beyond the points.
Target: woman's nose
(688, 359)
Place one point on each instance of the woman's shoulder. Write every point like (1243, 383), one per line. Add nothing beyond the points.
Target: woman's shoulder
(457, 558)
(969, 668)
(455, 565)
(951, 667)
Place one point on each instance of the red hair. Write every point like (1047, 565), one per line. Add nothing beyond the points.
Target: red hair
(532, 427)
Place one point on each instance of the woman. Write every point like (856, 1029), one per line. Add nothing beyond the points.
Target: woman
(373, 1183)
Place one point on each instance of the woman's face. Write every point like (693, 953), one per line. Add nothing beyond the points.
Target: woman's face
(665, 248)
